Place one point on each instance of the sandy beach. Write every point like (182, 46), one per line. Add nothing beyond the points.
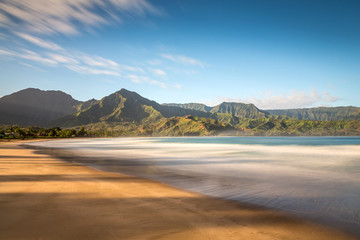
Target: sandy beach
(44, 198)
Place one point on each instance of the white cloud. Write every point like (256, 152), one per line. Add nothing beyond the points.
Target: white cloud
(90, 70)
(3, 20)
(99, 62)
(157, 83)
(178, 86)
(69, 16)
(32, 56)
(184, 60)
(143, 79)
(157, 72)
(294, 99)
(74, 60)
(82, 63)
(39, 42)
(155, 62)
(6, 53)
(62, 59)
(132, 69)
(29, 55)
(32, 66)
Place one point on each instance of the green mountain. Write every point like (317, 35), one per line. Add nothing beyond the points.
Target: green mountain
(187, 126)
(36, 107)
(85, 105)
(228, 111)
(193, 106)
(275, 126)
(320, 113)
(231, 112)
(240, 110)
(125, 106)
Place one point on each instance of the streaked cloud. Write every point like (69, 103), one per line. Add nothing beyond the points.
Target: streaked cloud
(32, 66)
(28, 55)
(33, 56)
(144, 79)
(51, 54)
(90, 70)
(6, 53)
(62, 58)
(294, 99)
(99, 62)
(184, 60)
(132, 69)
(69, 17)
(39, 42)
(157, 72)
(77, 62)
(73, 60)
(155, 62)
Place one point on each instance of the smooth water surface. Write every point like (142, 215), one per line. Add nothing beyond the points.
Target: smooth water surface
(317, 178)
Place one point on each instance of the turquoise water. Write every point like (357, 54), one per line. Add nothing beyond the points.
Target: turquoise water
(317, 178)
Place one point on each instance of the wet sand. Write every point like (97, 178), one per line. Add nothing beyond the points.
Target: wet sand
(45, 198)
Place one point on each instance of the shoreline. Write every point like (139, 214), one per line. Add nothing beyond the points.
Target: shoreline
(43, 197)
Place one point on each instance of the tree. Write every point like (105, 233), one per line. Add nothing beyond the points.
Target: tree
(81, 132)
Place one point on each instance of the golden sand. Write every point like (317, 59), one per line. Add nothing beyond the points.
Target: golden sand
(45, 198)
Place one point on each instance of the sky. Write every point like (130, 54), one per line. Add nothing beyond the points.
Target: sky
(272, 53)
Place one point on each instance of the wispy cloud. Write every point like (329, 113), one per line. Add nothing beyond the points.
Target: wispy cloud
(55, 55)
(69, 16)
(90, 70)
(100, 62)
(33, 56)
(32, 66)
(89, 64)
(157, 72)
(132, 69)
(6, 53)
(294, 99)
(184, 60)
(144, 79)
(28, 55)
(77, 62)
(39, 42)
(60, 58)
(51, 54)
(178, 86)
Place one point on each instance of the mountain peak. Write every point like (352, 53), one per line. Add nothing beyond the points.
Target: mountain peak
(33, 106)
(124, 90)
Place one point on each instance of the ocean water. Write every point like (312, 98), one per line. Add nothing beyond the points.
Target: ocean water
(316, 178)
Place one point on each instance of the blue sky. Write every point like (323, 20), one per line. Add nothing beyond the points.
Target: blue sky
(273, 53)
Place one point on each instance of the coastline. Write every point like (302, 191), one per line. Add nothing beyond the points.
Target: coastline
(43, 197)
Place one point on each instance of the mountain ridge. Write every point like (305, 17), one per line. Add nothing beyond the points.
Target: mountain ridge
(33, 106)
(320, 113)
(315, 114)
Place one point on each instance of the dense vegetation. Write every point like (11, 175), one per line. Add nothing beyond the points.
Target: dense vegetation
(285, 126)
(193, 126)
(320, 113)
(16, 132)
